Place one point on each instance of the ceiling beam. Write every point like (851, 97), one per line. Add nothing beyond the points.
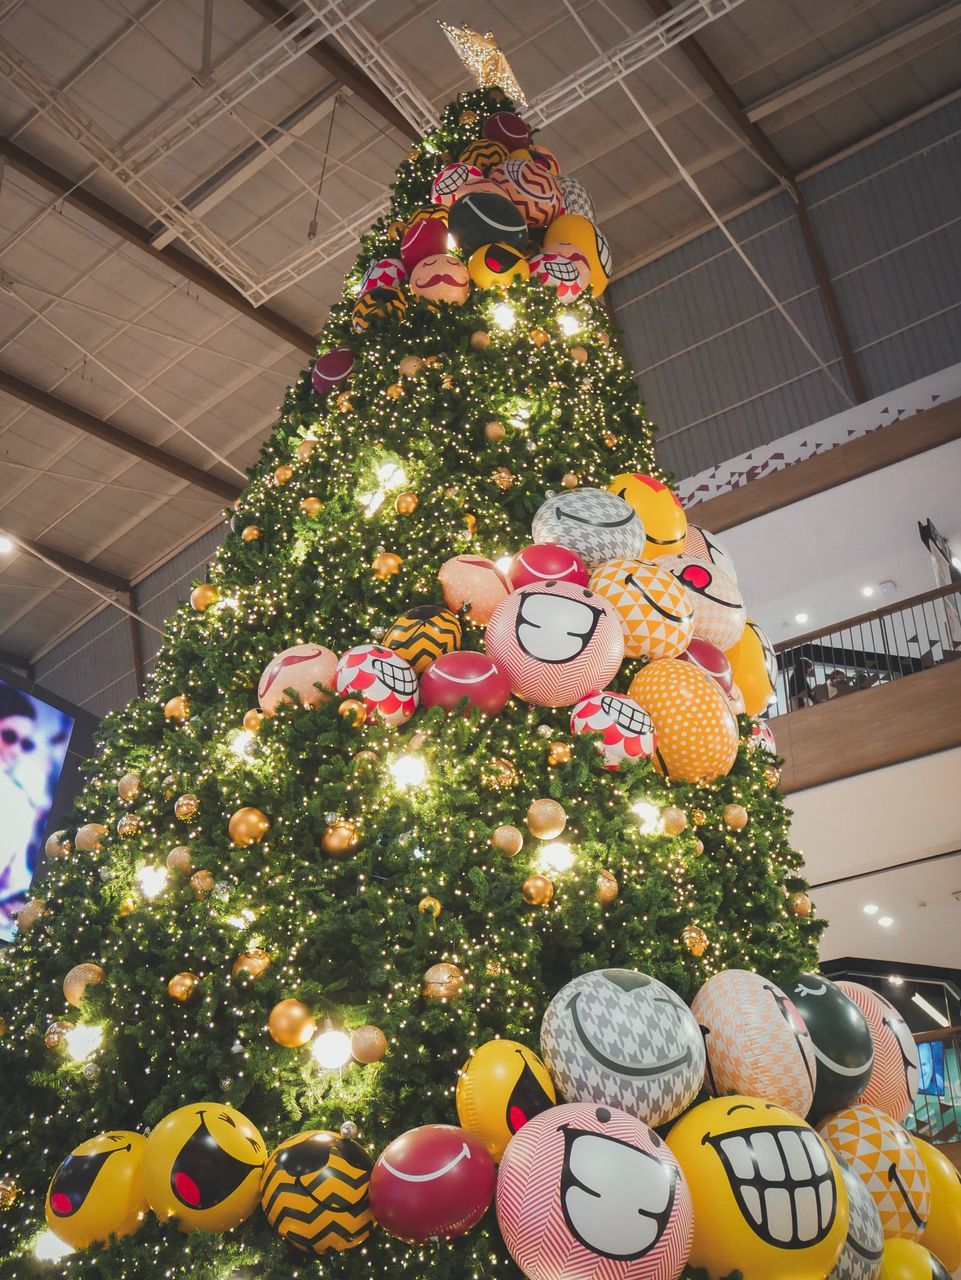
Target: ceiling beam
(59, 185)
(83, 421)
(75, 567)
(765, 149)
(346, 72)
(18, 663)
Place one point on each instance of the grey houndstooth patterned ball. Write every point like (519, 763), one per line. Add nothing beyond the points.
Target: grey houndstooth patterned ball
(598, 525)
(576, 198)
(861, 1256)
(622, 1038)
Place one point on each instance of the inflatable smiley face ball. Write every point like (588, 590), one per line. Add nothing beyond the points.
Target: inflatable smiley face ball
(202, 1165)
(841, 1039)
(555, 642)
(660, 512)
(625, 730)
(314, 1192)
(501, 1087)
(98, 1190)
(942, 1231)
(719, 613)
(906, 1260)
(592, 1192)
(861, 1256)
(754, 668)
(596, 524)
(382, 679)
(702, 545)
(621, 1037)
(697, 733)
(769, 1199)
(437, 1180)
(756, 1040)
(655, 610)
(887, 1160)
(301, 668)
(894, 1078)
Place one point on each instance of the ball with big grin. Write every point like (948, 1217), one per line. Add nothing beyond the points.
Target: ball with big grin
(202, 1166)
(98, 1190)
(769, 1200)
(596, 524)
(621, 1037)
(592, 1192)
(894, 1079)
(555, 642)
(441, 278)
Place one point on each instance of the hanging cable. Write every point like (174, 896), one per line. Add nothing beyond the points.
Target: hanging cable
(312, 225)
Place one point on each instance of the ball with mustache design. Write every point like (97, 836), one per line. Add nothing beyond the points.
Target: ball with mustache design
(555, 642)
(441, 278)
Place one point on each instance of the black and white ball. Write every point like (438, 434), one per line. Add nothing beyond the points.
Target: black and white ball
(596, 524)
(624, 1039)
(863, 1249)
(576, 198)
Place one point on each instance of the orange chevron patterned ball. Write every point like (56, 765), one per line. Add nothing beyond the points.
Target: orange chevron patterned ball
(314, 1192)
(697, 732)
(888, 1162)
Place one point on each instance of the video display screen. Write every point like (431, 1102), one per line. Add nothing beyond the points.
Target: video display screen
(931, 1066)
(34, 740)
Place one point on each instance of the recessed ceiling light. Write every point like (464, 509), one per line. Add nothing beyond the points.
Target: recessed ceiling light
(895, 981)
(6, 545)
(885, 921)
(800, 617)
(870, 909)
(867, 591)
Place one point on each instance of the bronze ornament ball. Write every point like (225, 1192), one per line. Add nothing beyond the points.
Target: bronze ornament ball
(291, 1024)
(186, 807)
(500, 774)
(570, 480)
(508, 840)
(252, 533)
(55, 1034)
(698, 817)
(694, 939)
(607, 888)
(9, 1191)
(537, 891)
(253, 720)
(394, 391)
(253, 963)
(182, 987)
(80, 977)
(405, 504)
(494, 431)
(368, 1044)
(800, 904)
(443, 982)
(386, 565)
(306, 448)
(698, 848)
(467, 117)
(502, 477)
(353, 711)
(579, 355)
(177, 707)
(546, 819)
(735, 816)
(673, 820)
(341, 839)
(772, 775)
(128, 788)
(203, 596)
(57, 845)
(128, 826)
(283, 474)
(480, 340)
(558, 753)
(431, 904)
(608, 439)
(179, 859)
(248, 826)
(311, 507)
(30, 913)
(89, 836)
(539, 336)
(202, 883)
(410, 366)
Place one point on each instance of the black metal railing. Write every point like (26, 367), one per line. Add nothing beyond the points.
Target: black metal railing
(875, 648)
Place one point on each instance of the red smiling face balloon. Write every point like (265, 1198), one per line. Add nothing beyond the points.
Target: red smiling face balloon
(556, 642)
(433, 1181)
(546, 562)
(465, 674)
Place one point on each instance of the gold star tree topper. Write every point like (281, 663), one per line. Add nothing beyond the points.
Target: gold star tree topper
(484, 59)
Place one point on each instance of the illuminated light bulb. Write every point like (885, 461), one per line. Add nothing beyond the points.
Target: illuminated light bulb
(504, 563)
(451, 243)
(82, 1041)
(371, 503)
(648, 816)
(241, 921)
(331, 1049)
(408, 771)
(391, 475)
(568, 323)
(225, 602)
(48, 1248)
(504, 315)
(6, 545)
(556, 857)
(241, 744)
(152, 880)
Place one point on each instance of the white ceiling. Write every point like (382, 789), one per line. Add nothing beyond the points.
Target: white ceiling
(93, 319)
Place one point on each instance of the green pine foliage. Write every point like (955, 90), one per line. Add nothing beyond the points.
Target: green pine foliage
(345, 934)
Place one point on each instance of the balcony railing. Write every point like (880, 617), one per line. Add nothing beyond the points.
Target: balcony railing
(875, 648)
(936, 1114)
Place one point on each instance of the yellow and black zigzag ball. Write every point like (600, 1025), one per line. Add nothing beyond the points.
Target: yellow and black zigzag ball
(380, 303)
(423, 633)
(484, 153)
(314, 1192)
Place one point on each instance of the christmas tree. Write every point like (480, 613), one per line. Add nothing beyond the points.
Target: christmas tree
(313, 917)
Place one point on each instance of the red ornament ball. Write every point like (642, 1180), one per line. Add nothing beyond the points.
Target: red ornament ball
(435, 1181)
(546, 562)
(465, 674)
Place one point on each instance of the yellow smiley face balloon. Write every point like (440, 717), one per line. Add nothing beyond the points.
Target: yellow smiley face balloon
(202, 1165)
(942, 1230)
(907, 1260)
(754, 668)
(98, 1190)
(502, 1086)
(580, 240)
(662, 516)
(769, 1199)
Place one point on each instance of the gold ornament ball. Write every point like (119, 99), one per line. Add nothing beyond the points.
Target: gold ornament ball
(128, 788)
(607, 888)
(89, 836)
(182, 987)
(431, 904)
(800, 904)
(413, 154)
(186, 807)
(502, 478)
(55, 1034)
(698, 817)
(558, 753)
(202, 883)
(251, 533)
(608, 439)
(772, 775)
(9, 1190)
(570, 480)
(368, 1044)
(673, 820)
(283, 474)
(443, 982)
(494, 431)
(341, 839)
(405, 504)
(344, 402)
(410, 366)
(128, 826)
(30, 913)
(396, 229)
(4, 1026)
(500, 774)
(248, 826)
(203, 596)
(604, 338)
(353, 711)
(508, 840)
(471, 522)
(698, 848)
(291, 1024)
(467, 117)
(80, 977)
(253, 719)
(386, 565)
(306, 448)
(539, 337)
(179, 859)
(480, 340)
(168, 788)
(365, 760)
(537, 891)
(546, 819)
(735, 816)
(311, 507)
(252, 963)
(695, 939)
(127, 905)
(57, 845)
(394, 391)
(579, 355)
(177, 708)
